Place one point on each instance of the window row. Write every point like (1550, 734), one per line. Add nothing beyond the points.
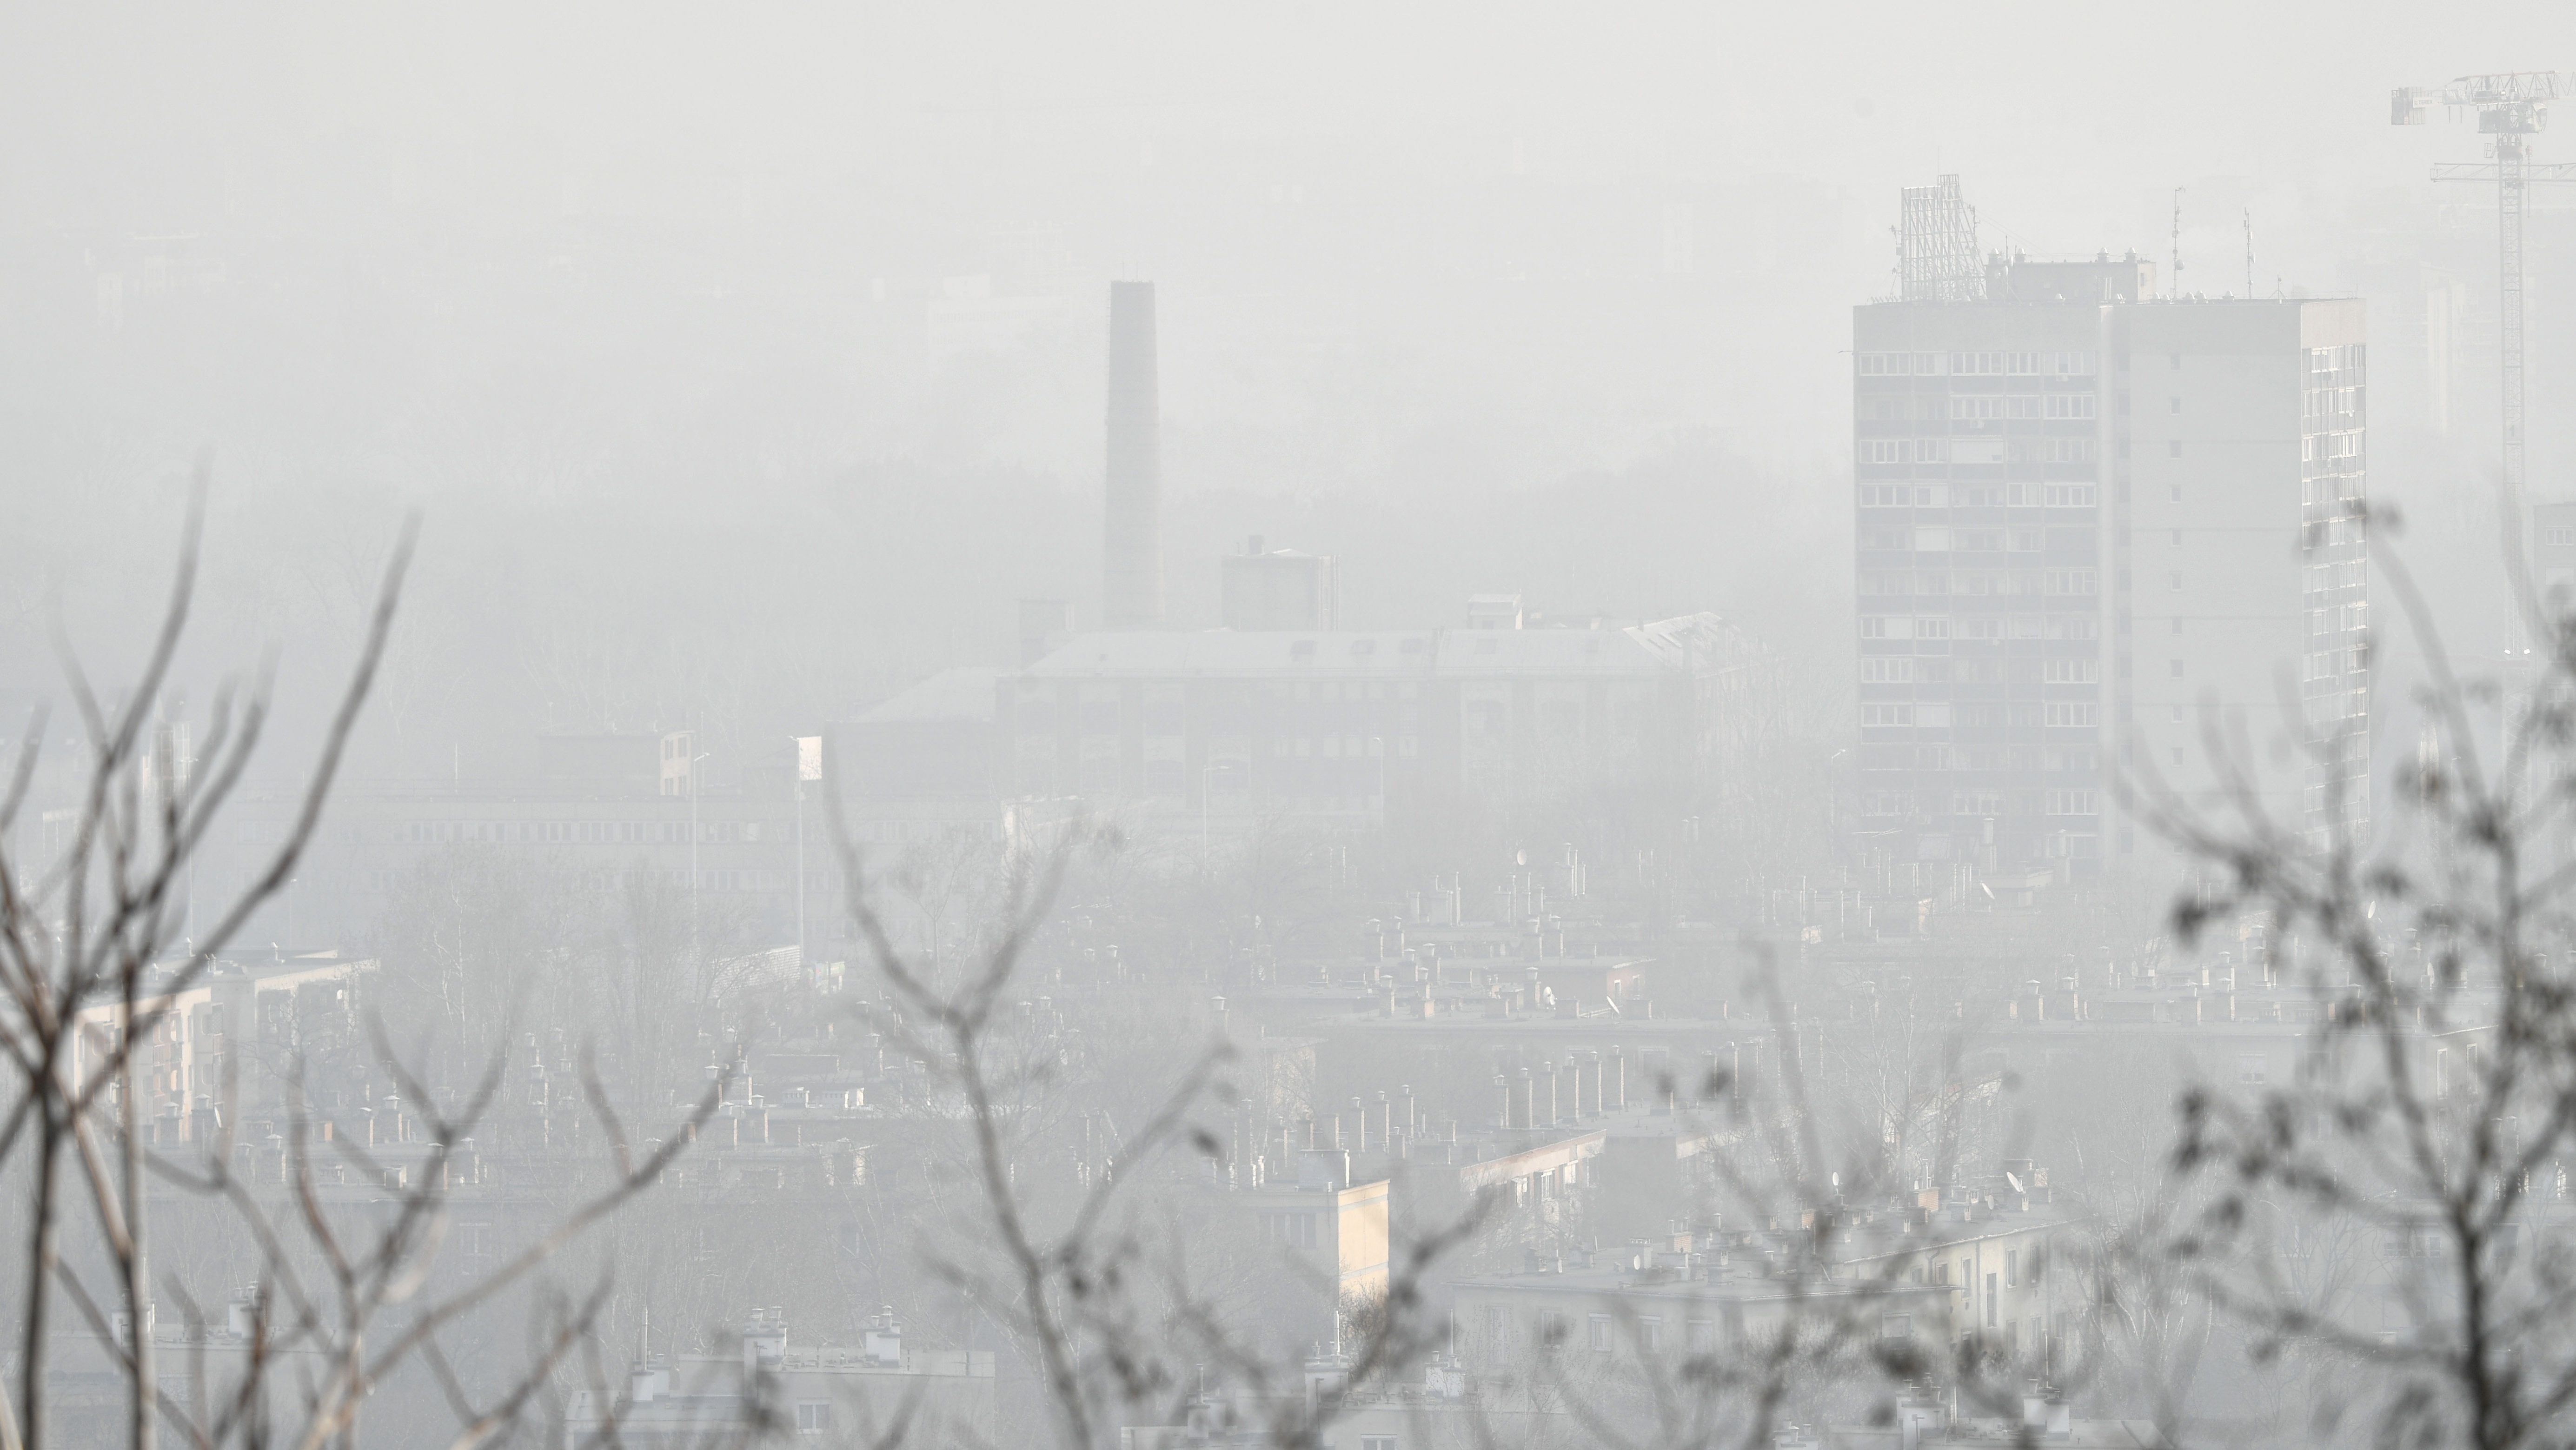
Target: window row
(1977, 495)
(1981, 627)
(2332, 366)
(1941, 538)
(1878, 451)
(1987, 406)
(1977, 583)
(1940, 715)
(1977, 364)
(2332, 403)
(1300, 1229)
(1905, 669)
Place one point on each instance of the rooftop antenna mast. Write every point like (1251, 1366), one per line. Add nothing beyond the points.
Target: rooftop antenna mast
(2176, 284)
(2510, 107)
(1937, 245)
(2249, 253)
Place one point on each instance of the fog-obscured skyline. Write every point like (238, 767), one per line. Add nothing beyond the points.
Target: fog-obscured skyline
(1346, 727)
(604, 283)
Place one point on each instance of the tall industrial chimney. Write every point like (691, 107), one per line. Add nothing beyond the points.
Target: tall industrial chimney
(1132, 553)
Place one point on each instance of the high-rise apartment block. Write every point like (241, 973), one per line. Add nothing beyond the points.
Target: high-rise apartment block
(2104, 540)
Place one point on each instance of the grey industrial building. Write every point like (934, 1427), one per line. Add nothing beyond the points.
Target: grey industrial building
(1343, 725)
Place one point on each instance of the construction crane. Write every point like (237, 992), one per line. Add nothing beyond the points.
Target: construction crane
(2510, 107)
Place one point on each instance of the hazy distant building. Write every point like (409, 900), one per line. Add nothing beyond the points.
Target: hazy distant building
(224, 1034)
(2553, 554)
(2092, 525)
(599, 810)
(1334, 1229)
(1358, 724)
(1341, 725)
(1277, 589)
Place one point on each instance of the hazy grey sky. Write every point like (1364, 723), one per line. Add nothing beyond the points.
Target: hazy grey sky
(138, 114)
(588, 280)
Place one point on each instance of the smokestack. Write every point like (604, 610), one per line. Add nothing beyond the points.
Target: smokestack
(1132, 556)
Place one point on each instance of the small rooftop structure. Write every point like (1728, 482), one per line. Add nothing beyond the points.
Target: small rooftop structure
(1278, 589)
(829, 1390)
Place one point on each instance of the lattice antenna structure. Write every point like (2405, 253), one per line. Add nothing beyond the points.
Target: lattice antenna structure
(2249, 252)
(1937, 245)
(2173, 284)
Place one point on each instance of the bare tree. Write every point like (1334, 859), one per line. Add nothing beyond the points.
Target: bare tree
(2435, 1106)
(1094, 1283)
(343, 1239)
